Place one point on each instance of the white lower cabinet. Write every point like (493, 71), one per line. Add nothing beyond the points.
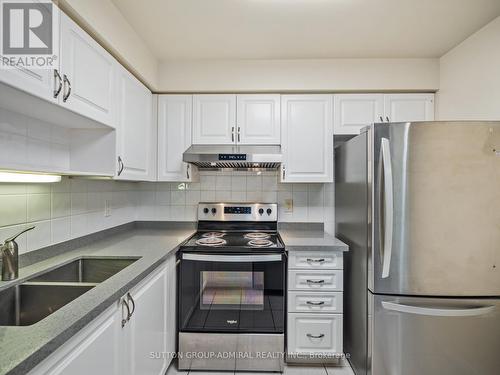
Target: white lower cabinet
(315, 306)
(315, 333)
(131, 337)
(94, 350)
(146, 335)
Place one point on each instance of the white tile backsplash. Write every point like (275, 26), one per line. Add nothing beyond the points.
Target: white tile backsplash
(75, 207)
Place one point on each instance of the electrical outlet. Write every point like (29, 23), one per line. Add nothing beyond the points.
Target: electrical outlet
(289, 205)
(107, 208)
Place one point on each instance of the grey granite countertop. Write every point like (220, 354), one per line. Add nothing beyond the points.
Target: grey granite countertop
(304, 236)
(22, 348)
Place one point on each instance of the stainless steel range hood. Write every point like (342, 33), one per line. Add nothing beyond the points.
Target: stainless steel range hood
(234, 157)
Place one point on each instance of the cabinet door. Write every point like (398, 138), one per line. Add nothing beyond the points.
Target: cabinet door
(307, 138)
(174, 137)
(409, 107)
(352, 112)
(314, 333)
(258, 119)
(214, 119)
(135, 133)
(90, 72)
(38, 82)
(171, 305)
(94, 350)
(148, 324)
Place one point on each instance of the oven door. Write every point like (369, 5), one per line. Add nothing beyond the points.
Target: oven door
(238, 293)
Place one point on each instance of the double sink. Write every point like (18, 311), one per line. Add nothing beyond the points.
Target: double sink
(43, 294)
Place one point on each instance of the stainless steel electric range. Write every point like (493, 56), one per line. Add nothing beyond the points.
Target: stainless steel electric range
(231, 290)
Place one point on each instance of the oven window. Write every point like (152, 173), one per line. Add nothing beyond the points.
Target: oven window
(232, 290)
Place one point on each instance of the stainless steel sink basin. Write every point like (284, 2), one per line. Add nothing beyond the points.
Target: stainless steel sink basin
(86, 270)
(27, 304)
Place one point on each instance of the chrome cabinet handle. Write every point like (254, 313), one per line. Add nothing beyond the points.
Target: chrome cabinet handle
(387, 118)
(239, 131)
(187, 171)
(232, 134)
(311, 336)
(57, 77)
(129, 298)
(120, 165)
(315, 260)
(315, 281)
(381, 119)
(67, 94)
(283, 171)
(315, 303)
(125, 320)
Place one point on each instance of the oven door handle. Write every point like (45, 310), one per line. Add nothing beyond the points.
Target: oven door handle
(233, 258)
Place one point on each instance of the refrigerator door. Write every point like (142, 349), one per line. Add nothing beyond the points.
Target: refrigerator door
(436, 217)
(434, 336)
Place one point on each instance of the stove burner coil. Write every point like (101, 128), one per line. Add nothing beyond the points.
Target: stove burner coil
(257, 236)
(260, 243)
(211, 241)
(213, 235)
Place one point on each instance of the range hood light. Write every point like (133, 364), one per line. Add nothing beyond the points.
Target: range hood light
(213, 164)
(256, 165)
(21, 177)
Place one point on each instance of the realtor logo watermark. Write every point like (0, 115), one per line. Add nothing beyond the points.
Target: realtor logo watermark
(28, 34)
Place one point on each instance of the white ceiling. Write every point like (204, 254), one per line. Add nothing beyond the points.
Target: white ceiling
(301, 29)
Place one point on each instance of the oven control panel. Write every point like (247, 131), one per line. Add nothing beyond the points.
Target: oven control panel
(238, 211)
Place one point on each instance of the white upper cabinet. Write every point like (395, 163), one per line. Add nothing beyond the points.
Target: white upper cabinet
(136, 131)
(409, 107)
(214, 119)
(174, 137)
(38, 82)
(88, 73)
(307, 138)
(258, 119)
(352, 112)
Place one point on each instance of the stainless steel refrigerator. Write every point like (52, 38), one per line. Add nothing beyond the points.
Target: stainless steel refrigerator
(419, 206)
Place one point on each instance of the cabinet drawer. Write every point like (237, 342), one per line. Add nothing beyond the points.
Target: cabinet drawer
(315, 302)
(315, 280)
(316, 260)
(314, 333)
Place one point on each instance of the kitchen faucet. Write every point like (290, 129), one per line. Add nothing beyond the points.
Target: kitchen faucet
(10, 257)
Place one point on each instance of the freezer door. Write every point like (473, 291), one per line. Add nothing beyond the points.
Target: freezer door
(436, 218)
(434, 336)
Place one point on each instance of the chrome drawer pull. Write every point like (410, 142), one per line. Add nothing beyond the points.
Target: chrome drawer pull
(315, 303)
(311, 336)
(315, 260)
(315, 281)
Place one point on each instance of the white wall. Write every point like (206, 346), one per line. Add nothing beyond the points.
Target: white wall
(299, 75)
(105, 23)
(469, 87)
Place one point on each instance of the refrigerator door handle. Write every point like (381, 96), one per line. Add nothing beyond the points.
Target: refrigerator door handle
(433, 311)
(387, 223)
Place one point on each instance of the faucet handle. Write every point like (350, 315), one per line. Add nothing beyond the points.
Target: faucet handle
(10, 239)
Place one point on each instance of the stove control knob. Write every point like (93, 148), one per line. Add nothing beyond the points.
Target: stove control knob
(214, 211)
(205, 210)
(269, 211)
(261, 211)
